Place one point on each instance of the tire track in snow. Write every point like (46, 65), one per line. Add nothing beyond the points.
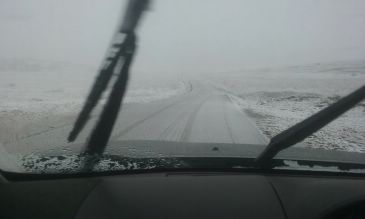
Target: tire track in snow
(170, 128)
(229, 129)
(189, 124)
(141, 121)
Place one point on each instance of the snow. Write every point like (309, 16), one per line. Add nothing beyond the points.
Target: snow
(74, 163)
(143, 95)
(38, 95)
(278, 98)
(41, 95)
(10, 162)
(38, 86)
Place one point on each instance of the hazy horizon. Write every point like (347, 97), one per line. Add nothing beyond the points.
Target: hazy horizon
(188, 36)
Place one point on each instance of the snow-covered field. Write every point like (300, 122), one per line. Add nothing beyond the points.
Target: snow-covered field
(278, 98)
(36, 95)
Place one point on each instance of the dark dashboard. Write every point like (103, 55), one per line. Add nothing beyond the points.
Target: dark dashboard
(186, 195)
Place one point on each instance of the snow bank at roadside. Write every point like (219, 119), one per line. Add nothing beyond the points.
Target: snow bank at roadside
(279, 98)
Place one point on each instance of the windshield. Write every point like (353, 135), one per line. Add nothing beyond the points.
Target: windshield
(208, 79)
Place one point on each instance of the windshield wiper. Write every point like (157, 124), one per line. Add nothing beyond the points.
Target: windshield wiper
(307, 127)
(119, 63)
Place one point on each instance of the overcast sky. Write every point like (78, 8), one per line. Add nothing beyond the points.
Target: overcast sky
(188, 35)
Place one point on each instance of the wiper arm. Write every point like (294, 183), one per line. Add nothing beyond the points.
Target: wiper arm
(120, 61)
(305, 128)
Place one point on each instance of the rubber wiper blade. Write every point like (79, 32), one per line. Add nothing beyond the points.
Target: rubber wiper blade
(100, 84)
(307, 127)
(131, 18)
(118, 63)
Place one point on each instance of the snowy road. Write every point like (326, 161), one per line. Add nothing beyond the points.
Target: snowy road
(203, 114)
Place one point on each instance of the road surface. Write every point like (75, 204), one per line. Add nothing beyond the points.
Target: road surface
(203, 114)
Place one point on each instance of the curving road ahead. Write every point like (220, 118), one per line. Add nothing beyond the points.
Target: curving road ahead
(204, 114)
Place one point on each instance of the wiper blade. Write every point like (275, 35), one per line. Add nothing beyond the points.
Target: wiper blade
(131, 18)
(307, 127)
(101, 133)
(97, 90)
(118, 62)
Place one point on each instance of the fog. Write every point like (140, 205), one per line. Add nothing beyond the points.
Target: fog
(50, 51)
(188, 36)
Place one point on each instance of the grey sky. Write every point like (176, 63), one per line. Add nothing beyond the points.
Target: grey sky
(188, 35)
